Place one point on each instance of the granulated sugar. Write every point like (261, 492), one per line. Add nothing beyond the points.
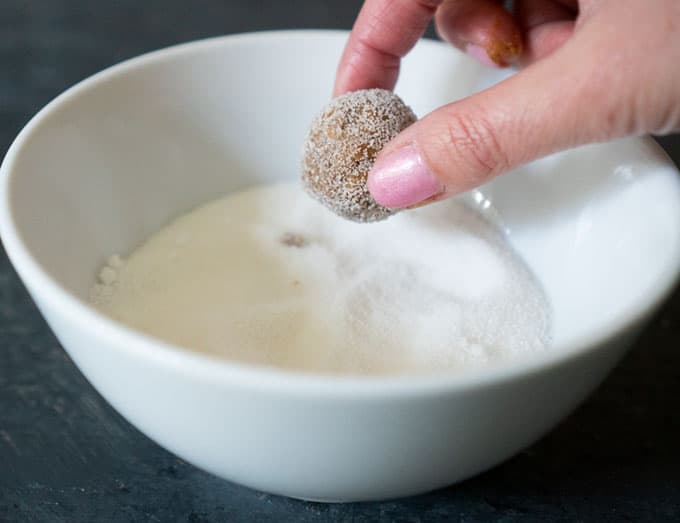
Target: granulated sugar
(269, 276)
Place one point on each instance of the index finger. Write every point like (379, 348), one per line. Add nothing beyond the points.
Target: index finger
(384, 32)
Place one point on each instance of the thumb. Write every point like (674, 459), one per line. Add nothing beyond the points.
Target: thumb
(556, 103)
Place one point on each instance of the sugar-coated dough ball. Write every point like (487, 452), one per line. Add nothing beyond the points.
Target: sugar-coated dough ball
(342, 145)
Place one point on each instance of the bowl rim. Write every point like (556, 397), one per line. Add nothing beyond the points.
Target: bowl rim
(137, 345)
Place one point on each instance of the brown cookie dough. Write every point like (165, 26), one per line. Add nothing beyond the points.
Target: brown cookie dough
(341, 148)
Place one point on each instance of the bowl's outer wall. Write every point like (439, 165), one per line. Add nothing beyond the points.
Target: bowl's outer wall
(335, 449)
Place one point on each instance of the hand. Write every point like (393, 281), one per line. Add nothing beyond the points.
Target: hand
(593, 70)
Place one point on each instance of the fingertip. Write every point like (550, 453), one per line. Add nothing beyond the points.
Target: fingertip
(483, 29)
(481, 55)
(365, 67)
(384, 32)
(401, 178)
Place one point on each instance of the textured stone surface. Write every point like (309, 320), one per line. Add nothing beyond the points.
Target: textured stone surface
(66, 456)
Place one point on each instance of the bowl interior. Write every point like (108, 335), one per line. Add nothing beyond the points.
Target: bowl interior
(115, 158)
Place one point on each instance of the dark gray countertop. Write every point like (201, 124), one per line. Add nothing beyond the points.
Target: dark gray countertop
(65, 455)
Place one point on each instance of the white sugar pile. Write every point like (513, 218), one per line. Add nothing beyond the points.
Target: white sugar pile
(268, 276)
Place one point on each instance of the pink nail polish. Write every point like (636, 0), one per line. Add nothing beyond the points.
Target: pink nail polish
(479, 53)
(402, 179)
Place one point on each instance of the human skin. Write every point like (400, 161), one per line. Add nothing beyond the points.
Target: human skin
(591, 71)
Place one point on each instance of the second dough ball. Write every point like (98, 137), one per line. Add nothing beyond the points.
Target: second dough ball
(341, 148)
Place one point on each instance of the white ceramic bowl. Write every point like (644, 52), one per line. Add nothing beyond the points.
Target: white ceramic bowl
(112, 159)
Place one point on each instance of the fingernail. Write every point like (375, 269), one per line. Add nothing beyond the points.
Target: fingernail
(479, 53)
(497, 53)
(402, 179)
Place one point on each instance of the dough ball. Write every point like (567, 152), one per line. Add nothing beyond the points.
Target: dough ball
(341, 148)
